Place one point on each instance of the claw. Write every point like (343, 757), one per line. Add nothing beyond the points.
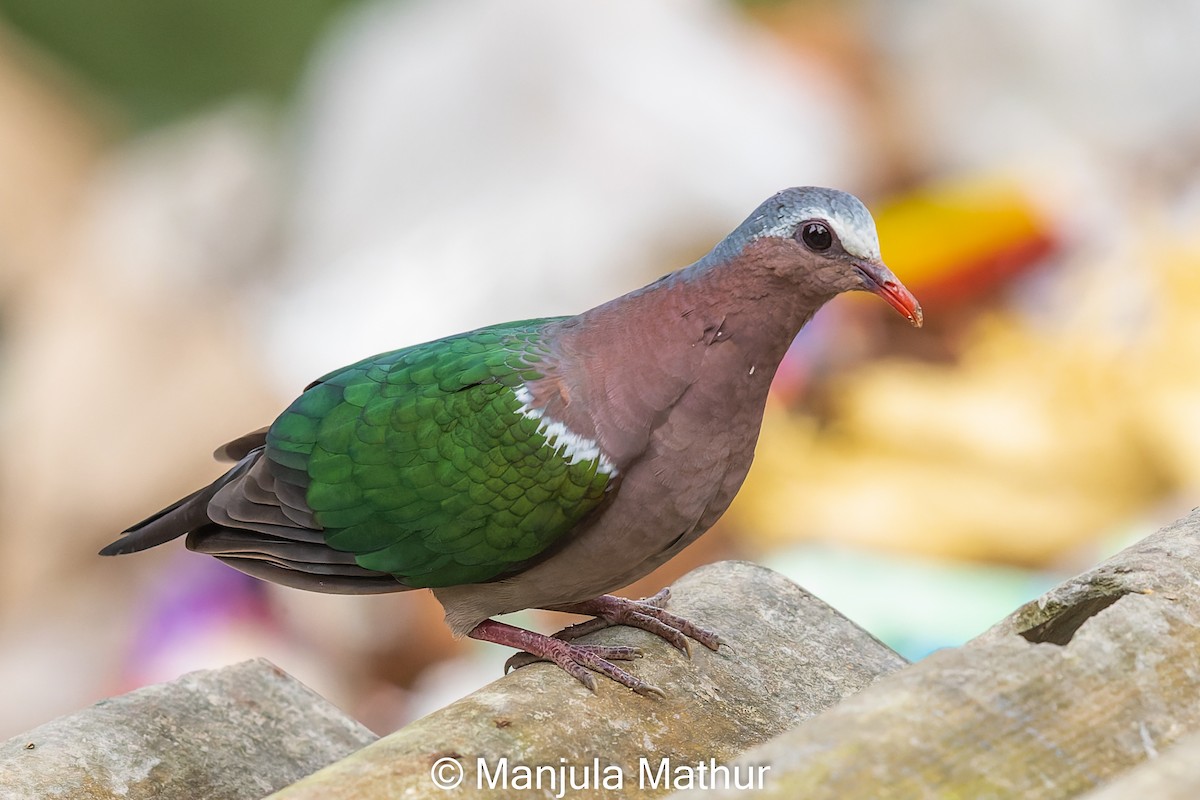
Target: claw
(650, 690)
(659, 599)
(579, 661)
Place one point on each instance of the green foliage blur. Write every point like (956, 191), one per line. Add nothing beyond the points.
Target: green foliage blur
(158, 60)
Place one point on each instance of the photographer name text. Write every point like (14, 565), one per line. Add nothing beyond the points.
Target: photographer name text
(663, 774)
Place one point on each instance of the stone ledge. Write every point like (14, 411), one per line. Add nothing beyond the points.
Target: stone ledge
(1173, 775)
(1068, 692)
(790, 657)
(235, 733)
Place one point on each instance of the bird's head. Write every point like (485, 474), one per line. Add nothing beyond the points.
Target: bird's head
(827, 240)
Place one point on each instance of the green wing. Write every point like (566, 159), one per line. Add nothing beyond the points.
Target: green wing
(422, 463)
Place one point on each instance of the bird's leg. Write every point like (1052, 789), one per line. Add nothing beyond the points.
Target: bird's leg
(575, 659)
(645, 614)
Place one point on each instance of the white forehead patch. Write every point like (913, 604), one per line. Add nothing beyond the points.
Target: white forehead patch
(855, 231)
(570, 445)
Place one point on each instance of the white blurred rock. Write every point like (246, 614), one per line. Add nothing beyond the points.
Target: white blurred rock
(991, 82)
(189, 210)
(467, 162)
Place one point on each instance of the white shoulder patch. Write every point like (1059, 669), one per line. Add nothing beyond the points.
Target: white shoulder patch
(570, 445)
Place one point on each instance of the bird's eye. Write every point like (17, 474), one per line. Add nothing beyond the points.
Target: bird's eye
(816, 236)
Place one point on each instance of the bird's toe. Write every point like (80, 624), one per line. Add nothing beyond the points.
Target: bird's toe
(647, 614)
(606, 652)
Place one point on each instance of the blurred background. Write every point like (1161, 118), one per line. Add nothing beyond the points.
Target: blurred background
(205, 205)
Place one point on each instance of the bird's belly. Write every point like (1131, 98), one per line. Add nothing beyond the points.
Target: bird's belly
(652, 518)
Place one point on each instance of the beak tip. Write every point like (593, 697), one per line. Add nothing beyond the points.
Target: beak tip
(903, 301)
(879, 280)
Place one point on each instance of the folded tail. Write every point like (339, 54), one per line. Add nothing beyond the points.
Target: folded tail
(188, 514)
(253, 523)
(172, 522)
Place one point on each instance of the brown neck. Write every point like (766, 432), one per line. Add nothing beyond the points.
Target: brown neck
(721, 328)
(756, 300)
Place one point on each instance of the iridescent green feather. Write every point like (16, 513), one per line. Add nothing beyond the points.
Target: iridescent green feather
(420, 462)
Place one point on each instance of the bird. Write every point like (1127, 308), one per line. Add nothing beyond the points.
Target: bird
(542, 463)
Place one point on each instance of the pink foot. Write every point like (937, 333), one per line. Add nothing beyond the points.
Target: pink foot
(578, 660)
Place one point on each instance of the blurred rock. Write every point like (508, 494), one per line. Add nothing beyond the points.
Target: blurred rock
(464, 163)
(1170, 775)
(190, 211)
(239, 732)
(981, 83)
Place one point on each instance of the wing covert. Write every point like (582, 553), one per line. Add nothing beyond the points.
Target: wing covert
(428, 464)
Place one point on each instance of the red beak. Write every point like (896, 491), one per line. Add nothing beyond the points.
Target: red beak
(880, 280)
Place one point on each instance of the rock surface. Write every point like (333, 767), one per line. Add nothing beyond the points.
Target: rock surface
(235, 733)
(790, 657)
(1173, 776)
(1071, 690)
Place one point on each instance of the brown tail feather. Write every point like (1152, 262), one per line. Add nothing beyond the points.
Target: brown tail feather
(175, 520)
(299, 564)
(316, 582)
(172, 522)
(257, 524)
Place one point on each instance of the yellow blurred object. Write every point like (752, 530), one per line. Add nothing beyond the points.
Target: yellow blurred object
(957, 239)
(1166, 405)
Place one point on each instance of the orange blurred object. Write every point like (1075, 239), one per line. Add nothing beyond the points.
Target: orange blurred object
(956, 241)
